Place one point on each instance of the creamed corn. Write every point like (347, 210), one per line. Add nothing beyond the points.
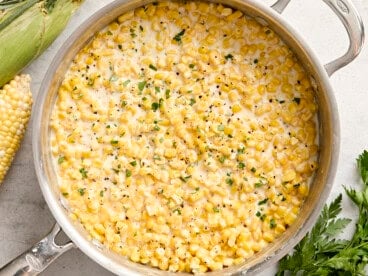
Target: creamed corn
(184, 136)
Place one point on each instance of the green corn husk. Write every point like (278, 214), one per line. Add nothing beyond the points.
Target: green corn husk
(27, 28)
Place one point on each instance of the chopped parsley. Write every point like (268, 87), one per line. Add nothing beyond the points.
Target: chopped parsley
(142, 85)
(253, 170)
(222, 159)
(191, 66)
(241, 165)
(272, 223)
(133, 163)
(192, 101)
(229, 181)
(61, 159)
(241, 150)
(258, 184)
(167, 93)
(81, 191)
(83, 172)
(124, 103)
(101, 193)
(179, 36)
(132, 33)
(155, 106)
(114, 142)
(262, 202)
(261, 216)
(185, 178)
(154, 68)
(128, 173)
(216, 209)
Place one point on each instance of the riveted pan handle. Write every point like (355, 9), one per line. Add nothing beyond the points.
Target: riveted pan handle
(353, 23)
(37, 258)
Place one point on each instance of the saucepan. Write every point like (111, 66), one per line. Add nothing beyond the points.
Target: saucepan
(43, 253)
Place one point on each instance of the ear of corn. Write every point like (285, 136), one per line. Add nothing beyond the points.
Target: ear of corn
(15, 110)
(27, 28)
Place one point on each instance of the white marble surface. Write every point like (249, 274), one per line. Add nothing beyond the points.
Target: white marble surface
(24, 215)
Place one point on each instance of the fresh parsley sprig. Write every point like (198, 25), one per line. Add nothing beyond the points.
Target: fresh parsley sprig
(320, 252)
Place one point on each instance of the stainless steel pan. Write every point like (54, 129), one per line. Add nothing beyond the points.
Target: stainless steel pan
(43, 253)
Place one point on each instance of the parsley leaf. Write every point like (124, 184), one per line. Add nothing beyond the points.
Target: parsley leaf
(363, 166)
(320, 252)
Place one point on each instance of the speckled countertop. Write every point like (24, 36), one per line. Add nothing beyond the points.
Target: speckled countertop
(24, 215)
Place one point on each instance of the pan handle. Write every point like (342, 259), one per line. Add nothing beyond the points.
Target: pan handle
(37, 258)
(353, 24)
(280, 5)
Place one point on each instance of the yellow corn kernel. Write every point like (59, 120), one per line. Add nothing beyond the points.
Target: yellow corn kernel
(268, 237)
(288, 176)
(126, 16)
(234, 16)
(236, 108)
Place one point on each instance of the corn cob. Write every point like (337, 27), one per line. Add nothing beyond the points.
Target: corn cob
(15, 110)
(27, 28)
